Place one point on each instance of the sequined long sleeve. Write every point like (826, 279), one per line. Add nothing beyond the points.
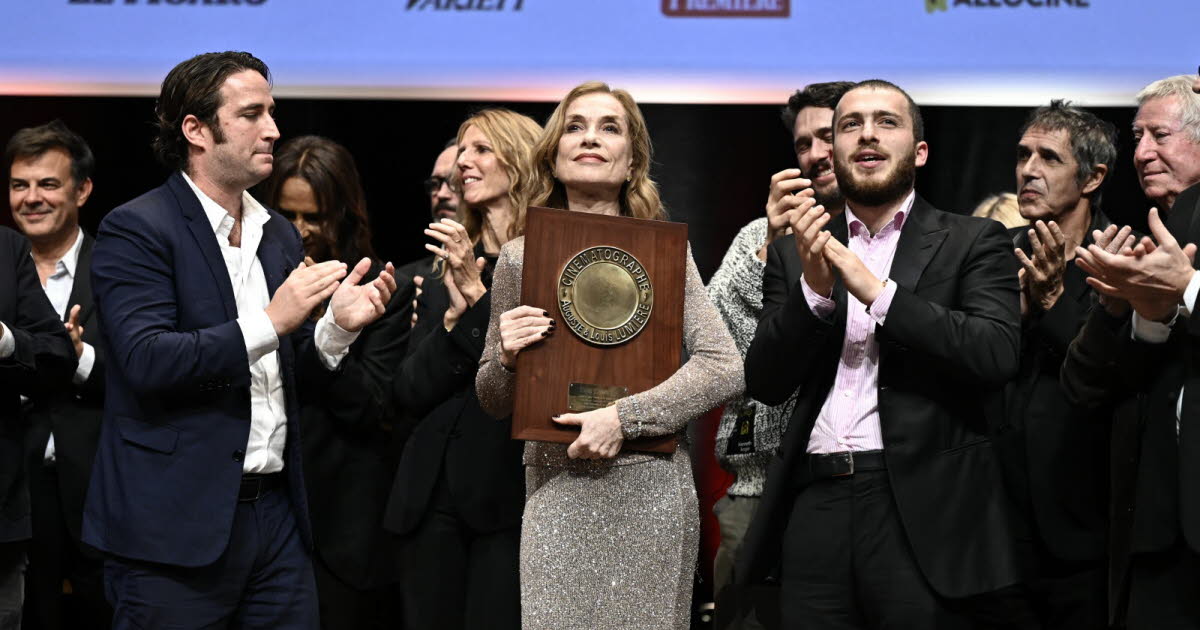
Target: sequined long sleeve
(711, 376)
(494, 384)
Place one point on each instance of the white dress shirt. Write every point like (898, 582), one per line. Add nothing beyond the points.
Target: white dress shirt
(268, 408)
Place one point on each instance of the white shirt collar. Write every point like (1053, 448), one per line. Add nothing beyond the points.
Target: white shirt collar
(219, 218)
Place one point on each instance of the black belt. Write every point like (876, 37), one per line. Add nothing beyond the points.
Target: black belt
(256, 486)
(844, 464)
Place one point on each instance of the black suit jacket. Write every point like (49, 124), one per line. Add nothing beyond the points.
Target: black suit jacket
(1156, 492)
(481, 463)
(73, 412)
(42, 362)
(350, 451)
(1055, 454)
(949, 343)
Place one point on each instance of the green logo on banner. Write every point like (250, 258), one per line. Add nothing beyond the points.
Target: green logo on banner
(936, 5)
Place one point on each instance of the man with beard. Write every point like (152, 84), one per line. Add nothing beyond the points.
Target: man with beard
(1055, 454)
(897, 323)
(1145, 364)
(749, 432)
(443, 204)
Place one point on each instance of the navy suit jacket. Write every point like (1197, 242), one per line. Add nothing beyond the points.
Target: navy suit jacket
(177, 407)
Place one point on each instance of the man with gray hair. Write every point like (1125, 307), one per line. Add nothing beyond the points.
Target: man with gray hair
(1167, 132)
(1054, 454)
(1146, 362)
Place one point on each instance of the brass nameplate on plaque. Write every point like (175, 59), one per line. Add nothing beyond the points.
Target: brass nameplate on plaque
(605, 295)
(583, 397)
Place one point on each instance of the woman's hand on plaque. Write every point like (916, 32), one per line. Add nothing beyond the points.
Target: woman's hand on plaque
(520, 328)
(600, 434)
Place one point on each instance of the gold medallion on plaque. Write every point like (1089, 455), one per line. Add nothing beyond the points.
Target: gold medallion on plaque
(605, 295)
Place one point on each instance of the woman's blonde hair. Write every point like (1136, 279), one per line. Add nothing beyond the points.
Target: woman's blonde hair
(639, 196)
(1003, 208)
(512, 136)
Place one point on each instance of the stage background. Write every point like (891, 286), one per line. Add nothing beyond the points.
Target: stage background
(713, 162)
(392, 79)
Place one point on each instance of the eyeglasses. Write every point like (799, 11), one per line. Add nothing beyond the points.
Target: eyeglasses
(434, 184)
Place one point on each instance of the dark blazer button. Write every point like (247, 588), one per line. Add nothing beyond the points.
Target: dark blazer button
(474, 332)
(239, 455)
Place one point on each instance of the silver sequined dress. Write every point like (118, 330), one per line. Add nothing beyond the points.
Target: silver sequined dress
(612, 543)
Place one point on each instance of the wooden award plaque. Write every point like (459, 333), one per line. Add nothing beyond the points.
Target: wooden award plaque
(614, 286)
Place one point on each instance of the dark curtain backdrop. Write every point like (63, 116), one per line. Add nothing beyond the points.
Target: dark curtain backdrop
(713, 162)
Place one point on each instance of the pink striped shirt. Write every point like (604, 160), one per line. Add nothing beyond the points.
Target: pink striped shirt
(849, 419)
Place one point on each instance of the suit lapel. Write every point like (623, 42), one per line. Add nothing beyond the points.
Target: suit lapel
(81, 284)
(920, 239)
(271, 256)
(206, 240)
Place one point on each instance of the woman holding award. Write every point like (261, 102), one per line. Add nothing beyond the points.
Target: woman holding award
(609, 537)
(459, 489)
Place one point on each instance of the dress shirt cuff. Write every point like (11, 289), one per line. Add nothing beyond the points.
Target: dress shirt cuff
(879, 308)
(8, 345)
(1151, 332)
(83, 369)
(332, 341)
(259, 335)
(1189, 294)
(820, 305)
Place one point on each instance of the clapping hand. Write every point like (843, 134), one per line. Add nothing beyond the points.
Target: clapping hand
(75, 330)
(782, 199)
(1042, 276)
(308, 285)
(417, 282)
(458, 253)
(458, 302)
(807, 220)
(859, 280)
(356, 306)
(1151, 277)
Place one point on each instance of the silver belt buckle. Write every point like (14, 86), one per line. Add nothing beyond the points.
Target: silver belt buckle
(850, 459)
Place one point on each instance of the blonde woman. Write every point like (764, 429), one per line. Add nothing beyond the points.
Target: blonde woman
(609, 538)
(459, 490)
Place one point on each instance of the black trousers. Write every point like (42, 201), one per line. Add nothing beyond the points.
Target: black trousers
(1069, 596)
(456, 577)
(847, 563)
(1164, 590)
(65, 586)
(344, 607)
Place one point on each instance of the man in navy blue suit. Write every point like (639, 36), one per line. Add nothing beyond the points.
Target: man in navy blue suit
(205, 300)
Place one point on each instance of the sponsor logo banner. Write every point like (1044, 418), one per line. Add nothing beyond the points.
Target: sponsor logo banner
(933, 6)
(727, 8)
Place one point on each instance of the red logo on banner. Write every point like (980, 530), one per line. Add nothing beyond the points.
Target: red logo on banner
(727, 8)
